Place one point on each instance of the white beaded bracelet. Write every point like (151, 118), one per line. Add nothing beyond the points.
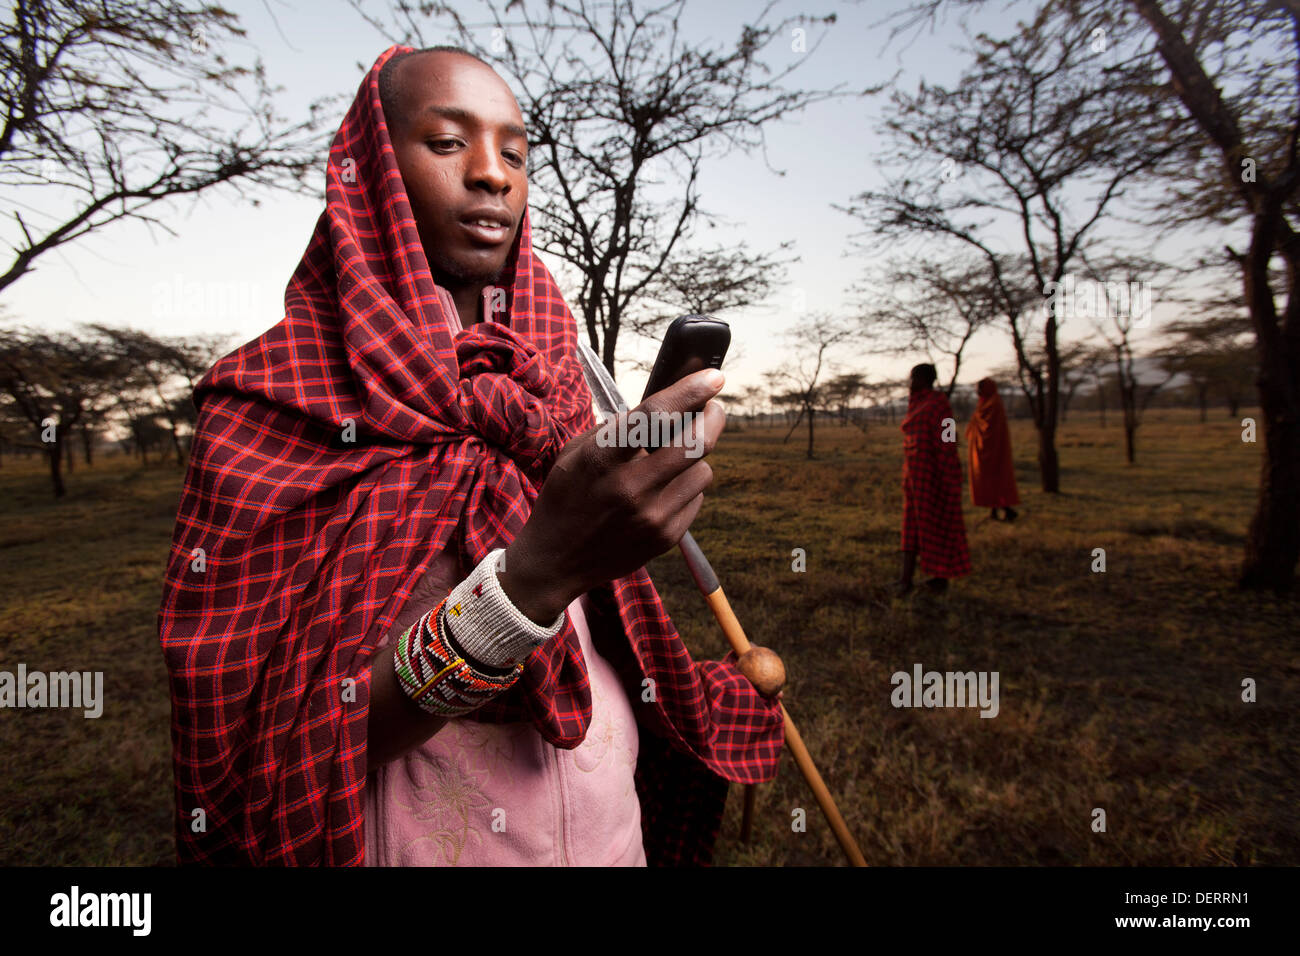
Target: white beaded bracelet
(487, 625)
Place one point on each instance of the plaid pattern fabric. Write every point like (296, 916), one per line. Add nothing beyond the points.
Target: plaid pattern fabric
(932, 518)
(681, 807)
(334, 456)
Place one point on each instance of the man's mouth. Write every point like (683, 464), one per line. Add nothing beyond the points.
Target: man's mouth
(491, 227)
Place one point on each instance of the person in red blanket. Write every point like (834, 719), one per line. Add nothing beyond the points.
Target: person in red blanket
(992, 472)
(933, 527)
(406, 617)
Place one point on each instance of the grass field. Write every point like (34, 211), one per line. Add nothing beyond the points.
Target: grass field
(1119, 691)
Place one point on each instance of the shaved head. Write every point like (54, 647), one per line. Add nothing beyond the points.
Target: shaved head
(391, 87)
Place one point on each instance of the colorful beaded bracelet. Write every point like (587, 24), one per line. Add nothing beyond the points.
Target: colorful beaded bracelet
(436, 674)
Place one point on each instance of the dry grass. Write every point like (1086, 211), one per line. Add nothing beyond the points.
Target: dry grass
(82, 581)
(1118, 690)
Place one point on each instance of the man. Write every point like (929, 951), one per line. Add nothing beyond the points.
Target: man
(418, 424)
(933, 526)
(992, 472)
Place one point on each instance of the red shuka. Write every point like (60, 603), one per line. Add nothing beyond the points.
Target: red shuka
(992, 473)
(932, 520)
(334, 456)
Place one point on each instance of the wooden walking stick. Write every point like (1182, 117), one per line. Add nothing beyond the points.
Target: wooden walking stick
(707, 581)
(747, 812)
(607, 398)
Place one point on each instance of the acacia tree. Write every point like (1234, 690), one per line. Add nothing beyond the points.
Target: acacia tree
(1209, 353)
(842, 391)
(885, 396)
(54, 381)
(811, 345)
(1085, 363)
(164, 371)
(623, 110)
(108, 109)
(1135, 394)
(750, 399)
(1019, 164)
(1235, 69)
(14, 430)
(790, 404)
(935, 306)
(711, 281)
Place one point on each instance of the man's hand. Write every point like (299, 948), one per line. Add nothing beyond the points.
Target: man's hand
(604, 512)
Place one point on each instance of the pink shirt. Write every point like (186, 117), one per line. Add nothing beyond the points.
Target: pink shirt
(479, 794)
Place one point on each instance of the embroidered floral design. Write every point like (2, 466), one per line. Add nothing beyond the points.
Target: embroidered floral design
(448, 794)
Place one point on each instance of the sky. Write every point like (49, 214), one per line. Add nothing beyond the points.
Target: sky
(225, 268)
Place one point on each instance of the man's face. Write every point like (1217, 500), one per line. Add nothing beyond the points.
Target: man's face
(461, 148)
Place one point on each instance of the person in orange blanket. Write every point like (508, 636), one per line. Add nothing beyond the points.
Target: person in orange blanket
(933, 526)
(992, 474)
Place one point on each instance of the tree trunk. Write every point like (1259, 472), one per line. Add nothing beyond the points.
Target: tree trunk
(88, 443)
(1049, 465)
(1048, 462)
(68, 449)
(55, 455)
(792, 427)
(1273, 540)
(1128, 405)
(812, 417)
(176, 443)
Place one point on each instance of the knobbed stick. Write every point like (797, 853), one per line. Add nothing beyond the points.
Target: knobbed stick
(707, 581)
(607, 399)
(747, 816)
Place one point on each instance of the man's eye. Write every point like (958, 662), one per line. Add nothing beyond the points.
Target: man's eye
(443, 145)
(514, 157)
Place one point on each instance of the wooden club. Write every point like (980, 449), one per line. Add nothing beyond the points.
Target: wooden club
(767, 676)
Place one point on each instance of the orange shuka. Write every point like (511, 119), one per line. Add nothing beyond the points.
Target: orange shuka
(992, 474)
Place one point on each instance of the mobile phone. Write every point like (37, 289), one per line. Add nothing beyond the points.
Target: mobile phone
(691, 344)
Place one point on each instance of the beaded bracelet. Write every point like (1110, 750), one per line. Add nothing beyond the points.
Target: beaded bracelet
(436, 674)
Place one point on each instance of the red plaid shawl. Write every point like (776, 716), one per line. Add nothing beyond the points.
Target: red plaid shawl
(932, 518)
(334, 457)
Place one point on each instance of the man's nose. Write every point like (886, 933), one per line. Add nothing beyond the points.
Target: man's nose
(487, 170)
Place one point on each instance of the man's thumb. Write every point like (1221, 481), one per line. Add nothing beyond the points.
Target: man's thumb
(688, 394)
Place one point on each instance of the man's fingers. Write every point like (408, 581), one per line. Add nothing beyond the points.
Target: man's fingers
(691, 440)
(667, 417)
(687, 394)
(682, 524)
(687, 485)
